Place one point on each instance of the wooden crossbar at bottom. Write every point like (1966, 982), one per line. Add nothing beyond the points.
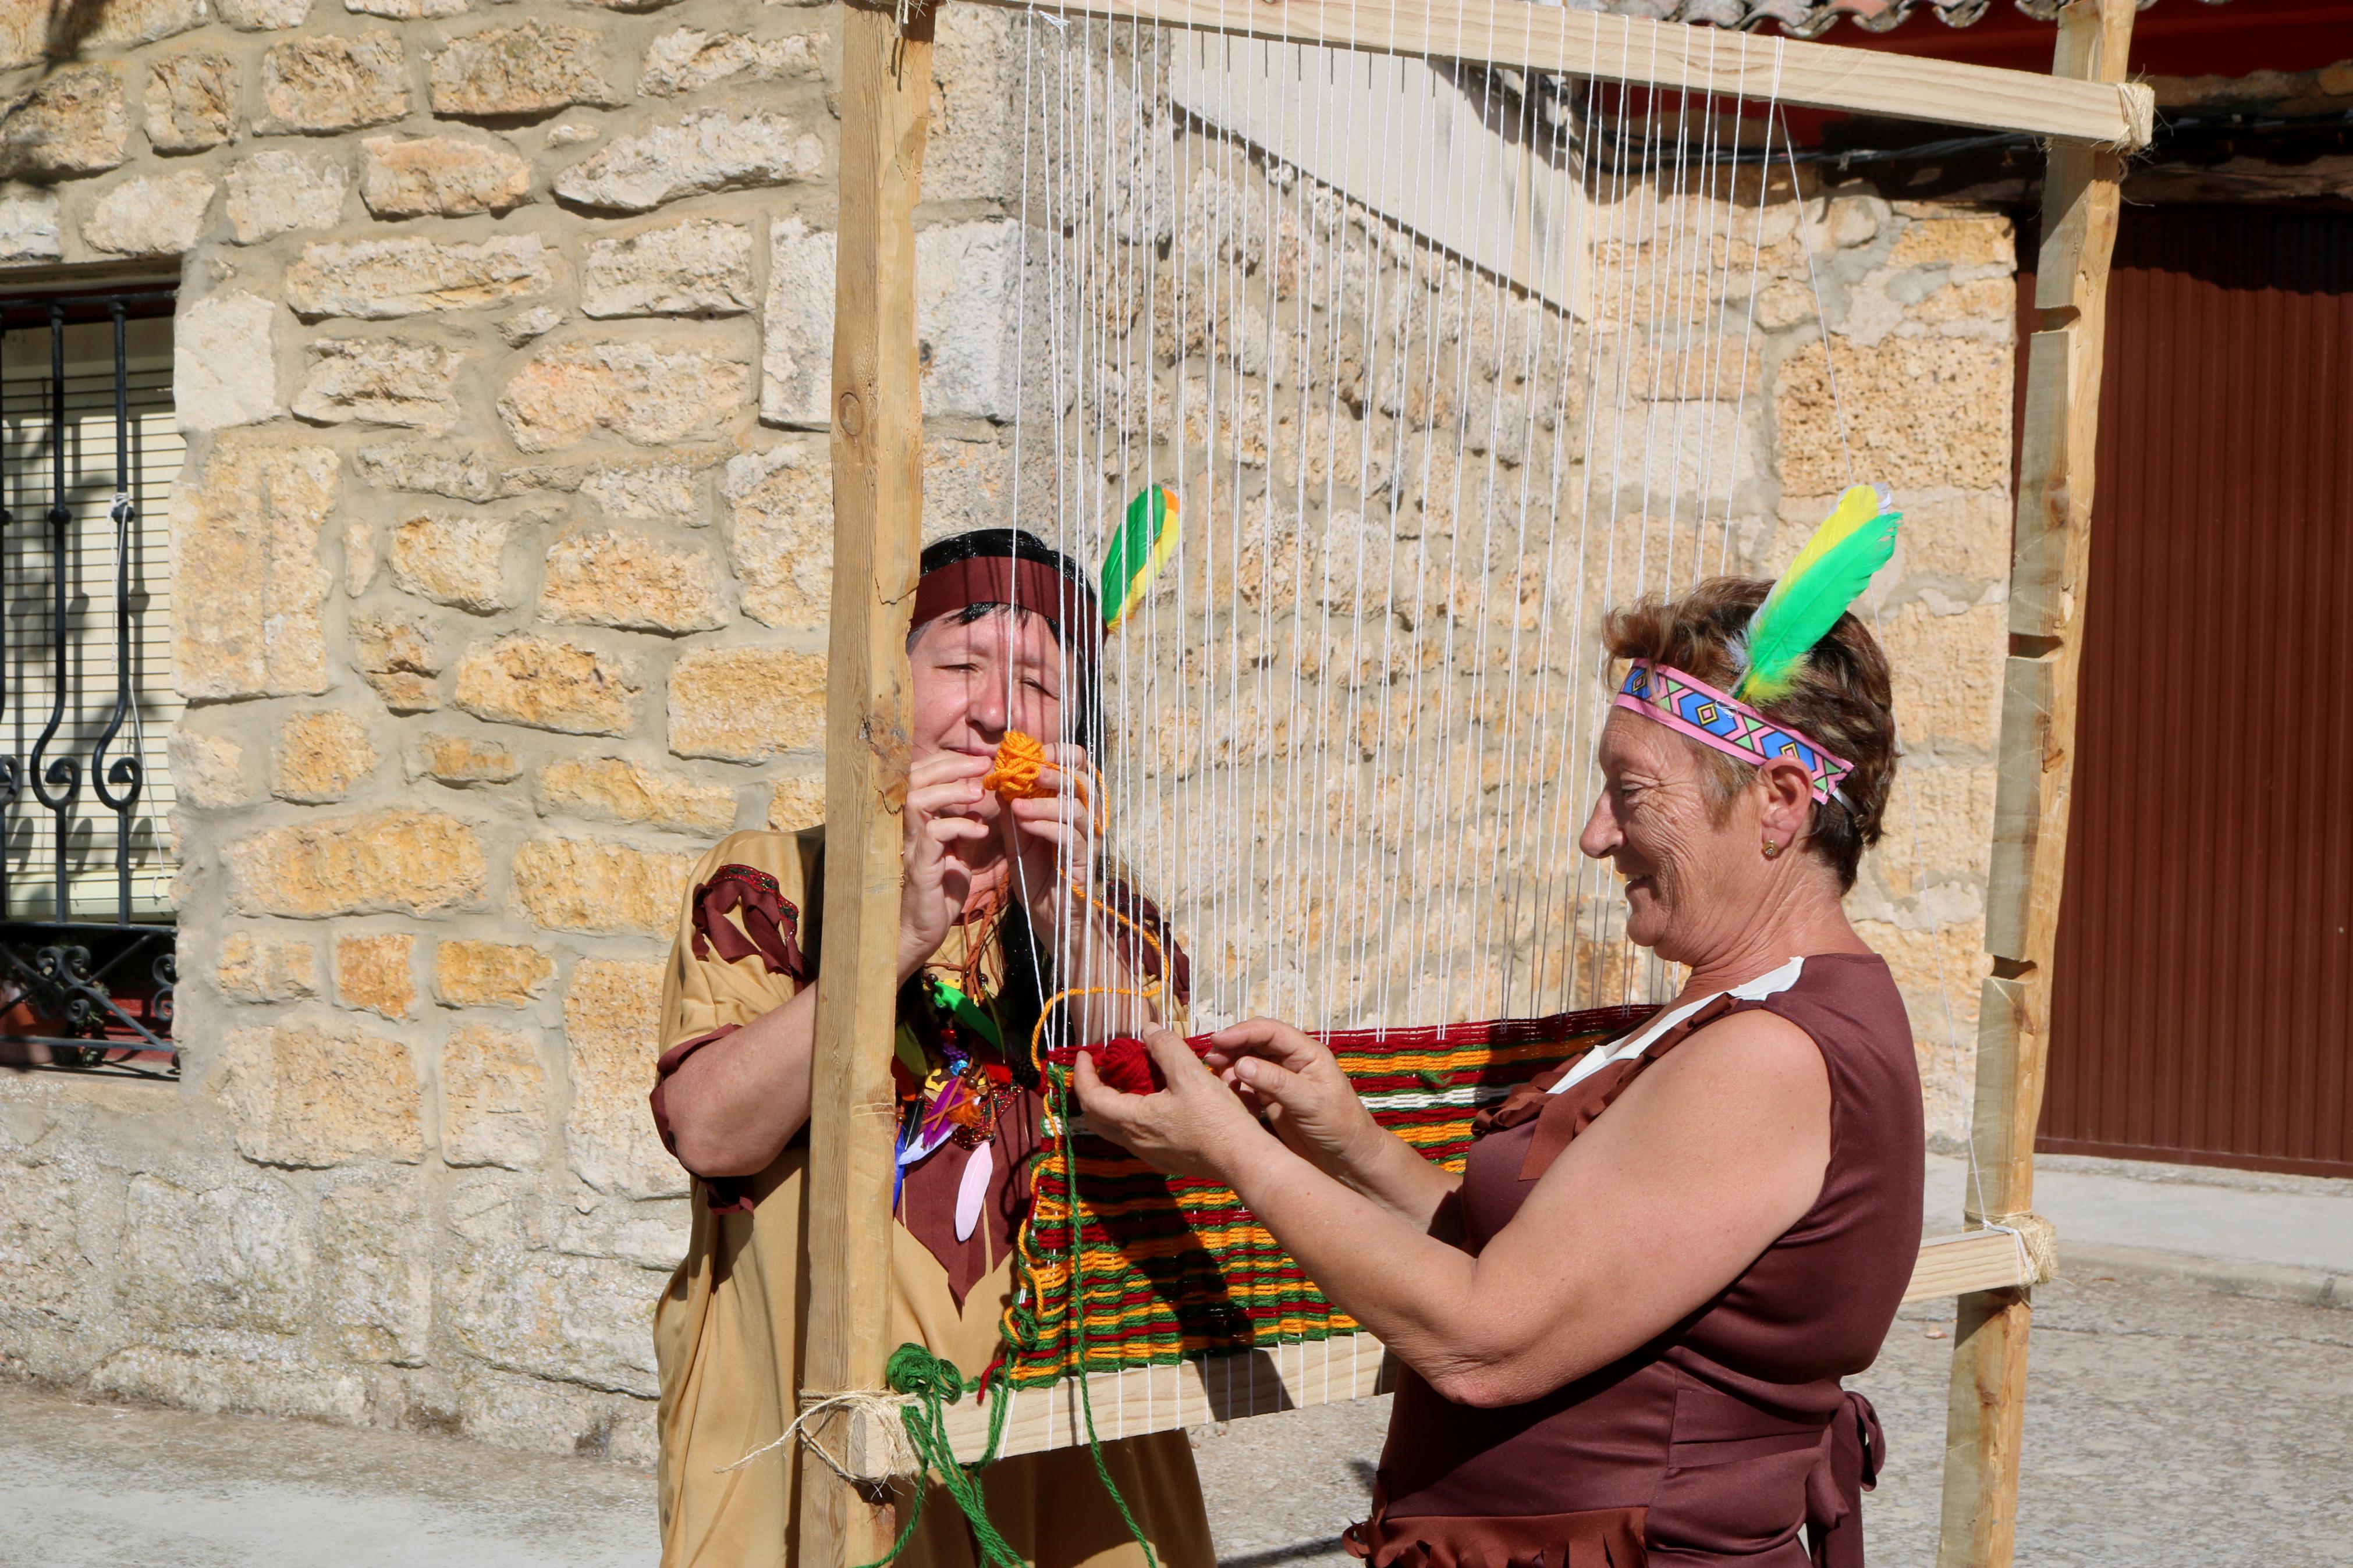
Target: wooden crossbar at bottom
(1290, 1376)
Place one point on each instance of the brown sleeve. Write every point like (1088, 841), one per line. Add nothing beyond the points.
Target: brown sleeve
(739, 951)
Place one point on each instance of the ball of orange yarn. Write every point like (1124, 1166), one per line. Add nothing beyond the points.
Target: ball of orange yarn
(1020, 759)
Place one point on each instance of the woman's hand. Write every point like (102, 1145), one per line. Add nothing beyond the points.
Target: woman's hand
(947, 811)
(1195, 1127)
(1293, 1081)
(1052, 835)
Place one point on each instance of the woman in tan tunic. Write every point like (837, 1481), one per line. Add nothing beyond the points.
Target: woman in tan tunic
(1623, 1326)
(733, 1092)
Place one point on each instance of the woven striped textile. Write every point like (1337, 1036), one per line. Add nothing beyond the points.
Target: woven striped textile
(1171, 1268)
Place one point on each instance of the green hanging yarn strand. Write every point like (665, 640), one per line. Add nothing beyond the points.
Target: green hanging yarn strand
(936, 1384)
(1078, 1322)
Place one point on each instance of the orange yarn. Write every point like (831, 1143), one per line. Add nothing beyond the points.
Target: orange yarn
(1020, 759)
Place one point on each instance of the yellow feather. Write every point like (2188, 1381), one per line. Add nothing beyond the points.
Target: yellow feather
(1858, 506)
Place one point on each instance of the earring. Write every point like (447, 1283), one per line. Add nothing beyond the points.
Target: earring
(1772, 850)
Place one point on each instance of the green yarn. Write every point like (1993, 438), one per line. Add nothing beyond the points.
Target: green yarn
(936, 1384)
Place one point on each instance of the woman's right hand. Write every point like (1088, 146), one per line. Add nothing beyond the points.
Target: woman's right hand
(947, 810)
(1294, 1082)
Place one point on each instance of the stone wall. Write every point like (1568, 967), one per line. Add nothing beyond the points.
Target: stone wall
(501, 572)
(501, 576)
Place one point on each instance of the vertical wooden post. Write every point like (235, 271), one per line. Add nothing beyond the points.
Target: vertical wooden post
(2048, 577)
(877, 450)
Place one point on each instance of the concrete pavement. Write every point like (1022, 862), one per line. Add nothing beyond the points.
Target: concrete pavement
(2169, 1424)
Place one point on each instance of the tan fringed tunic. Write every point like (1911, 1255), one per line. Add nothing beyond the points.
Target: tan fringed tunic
(728, 1330)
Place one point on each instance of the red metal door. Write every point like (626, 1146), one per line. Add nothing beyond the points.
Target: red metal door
(2201, 998)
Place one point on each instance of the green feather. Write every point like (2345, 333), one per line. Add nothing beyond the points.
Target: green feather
(1139, 548)
(1828, 575)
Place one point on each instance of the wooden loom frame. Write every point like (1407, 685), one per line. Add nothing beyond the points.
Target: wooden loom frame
(2092, 116)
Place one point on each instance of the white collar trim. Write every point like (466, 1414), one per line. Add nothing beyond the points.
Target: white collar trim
(1757, 990)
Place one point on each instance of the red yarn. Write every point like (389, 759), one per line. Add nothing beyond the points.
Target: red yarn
(1124, 1062)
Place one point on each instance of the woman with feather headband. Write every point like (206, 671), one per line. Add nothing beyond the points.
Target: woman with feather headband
(1623, 1326)
(1005, 634)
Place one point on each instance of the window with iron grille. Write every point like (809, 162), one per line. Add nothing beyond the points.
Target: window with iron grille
(88, 452)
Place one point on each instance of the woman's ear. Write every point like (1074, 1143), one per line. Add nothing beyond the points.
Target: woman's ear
(1786, 806)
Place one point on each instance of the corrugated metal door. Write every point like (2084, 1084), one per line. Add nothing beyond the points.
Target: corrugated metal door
(2201, 1004)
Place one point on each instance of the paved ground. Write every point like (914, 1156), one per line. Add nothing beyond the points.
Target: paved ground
(2172, 1425)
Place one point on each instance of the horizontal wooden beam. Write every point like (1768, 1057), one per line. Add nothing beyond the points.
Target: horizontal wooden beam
(1286, 1377)
(1673, 55)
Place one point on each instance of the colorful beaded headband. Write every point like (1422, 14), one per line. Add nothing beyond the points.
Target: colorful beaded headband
(1692, 707)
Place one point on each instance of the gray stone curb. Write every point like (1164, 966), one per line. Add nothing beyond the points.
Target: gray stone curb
(2224, 1276)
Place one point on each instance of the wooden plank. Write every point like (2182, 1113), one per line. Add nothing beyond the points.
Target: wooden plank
(1287, 1377)
(877, 450)
(1986, 1409)
(1670, 55)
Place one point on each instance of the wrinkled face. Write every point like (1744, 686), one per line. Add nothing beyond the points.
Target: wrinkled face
(1685, 872)
(975, 682)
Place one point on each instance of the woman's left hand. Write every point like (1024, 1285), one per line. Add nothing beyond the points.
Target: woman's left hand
(1053, 833)
(1195, 1127)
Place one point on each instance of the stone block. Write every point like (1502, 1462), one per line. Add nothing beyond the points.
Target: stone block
(796, 803)
(490, 974)
(612, 789)
(627, 580)
(780, 533)
(359, 556)
(316, 1095)
(548, 684)
(746, 704)
(519, 73)
(462, 760)
(127, 24)
(29, 227)
(1948, 676)
(440, 177)
(397, 659)
(708, 150)
(576, 1320)
(296, 1387)
(574, 884)
(376, 1269)
(967, 485)
(493, 1099)
(1900, 396)
(380, 381)
(74, 122)
(462, 473)
(256, 967)
(409, 10)
(191, 102)
(964, 279)
(643, 492)
(612, 1015)
(693, 269)
(262, 15)
(453, 561)
(275, 192)
(327, 82)
(248, 529)
(393, 862)
(225, 362)
(207, 770)
(687, 60)
(638, 392)
(379, 279)
(974, 152)
(320, 757)
(229, 1258)
(377, 972)
(524, 325)
(1959, 242)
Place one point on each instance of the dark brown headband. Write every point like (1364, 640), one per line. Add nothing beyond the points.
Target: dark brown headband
(1030, 583)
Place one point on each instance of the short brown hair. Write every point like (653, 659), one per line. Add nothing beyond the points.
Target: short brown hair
(1843, 701)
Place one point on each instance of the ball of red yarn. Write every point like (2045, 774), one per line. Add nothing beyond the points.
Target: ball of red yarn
(1126, 1065)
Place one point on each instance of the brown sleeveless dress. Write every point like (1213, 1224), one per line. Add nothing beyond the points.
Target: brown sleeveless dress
(1712, 1444)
